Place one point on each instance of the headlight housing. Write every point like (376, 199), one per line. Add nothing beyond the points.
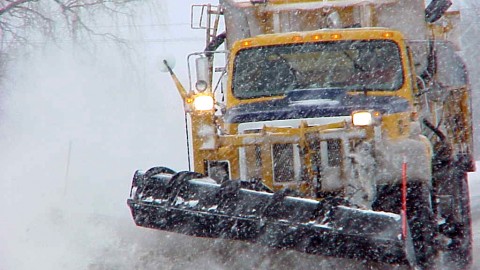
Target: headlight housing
(201, 86)
(203, 103)
(365, 118)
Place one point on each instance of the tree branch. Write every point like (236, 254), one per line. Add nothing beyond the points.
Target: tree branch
(12, 5)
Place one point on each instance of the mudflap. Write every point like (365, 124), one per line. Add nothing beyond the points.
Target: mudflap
(189, 204)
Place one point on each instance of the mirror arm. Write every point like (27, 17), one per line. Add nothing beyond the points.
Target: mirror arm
(181, 90)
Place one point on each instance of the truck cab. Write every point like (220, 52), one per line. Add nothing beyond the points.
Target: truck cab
(298, 106)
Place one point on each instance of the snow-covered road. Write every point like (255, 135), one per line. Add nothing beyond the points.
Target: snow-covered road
(64, 237)
(147, 249)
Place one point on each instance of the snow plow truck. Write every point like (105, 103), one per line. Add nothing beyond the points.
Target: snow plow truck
(340, 128)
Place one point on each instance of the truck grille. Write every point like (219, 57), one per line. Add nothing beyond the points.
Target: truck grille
(326, 153)
(334, 153)
(253, 158)
(283, 162)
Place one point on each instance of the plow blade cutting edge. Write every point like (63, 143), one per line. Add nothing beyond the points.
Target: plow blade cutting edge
(189, 204)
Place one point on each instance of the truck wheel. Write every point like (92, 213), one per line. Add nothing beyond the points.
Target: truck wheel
(420, 215)
(457, 226)
(422, 224)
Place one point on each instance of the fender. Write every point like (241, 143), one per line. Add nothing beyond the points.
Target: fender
(415, 150)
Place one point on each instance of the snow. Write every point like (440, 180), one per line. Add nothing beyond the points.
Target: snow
(193, 203)
(73, 129)
(366, 211)
(292, 123)
(205, 181)
(474, 182)
(213, 208)
(179, 200)
(149, 199)
(317, 102)
(305, 200)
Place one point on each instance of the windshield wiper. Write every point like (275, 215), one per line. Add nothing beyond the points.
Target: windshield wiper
(355, 64)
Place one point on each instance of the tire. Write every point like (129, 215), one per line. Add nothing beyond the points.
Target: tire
(457, 227)
(422, 223)
(420, 215)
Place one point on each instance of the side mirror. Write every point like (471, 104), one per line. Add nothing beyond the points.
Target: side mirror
(167, 63)
(203, 72)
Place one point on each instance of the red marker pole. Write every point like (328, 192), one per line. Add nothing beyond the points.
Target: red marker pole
(404, 198)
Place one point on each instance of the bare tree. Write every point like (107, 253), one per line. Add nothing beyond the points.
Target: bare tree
(29, 23)
(22, 20)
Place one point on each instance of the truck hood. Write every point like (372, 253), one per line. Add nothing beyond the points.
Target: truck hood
(308, 103)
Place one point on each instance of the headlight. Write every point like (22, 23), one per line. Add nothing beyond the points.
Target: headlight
(365, 118)
(203, 103)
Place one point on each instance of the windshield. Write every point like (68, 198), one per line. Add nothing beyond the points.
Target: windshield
(350, 65)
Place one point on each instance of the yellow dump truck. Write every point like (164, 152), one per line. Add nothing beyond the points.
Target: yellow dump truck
(340, 128)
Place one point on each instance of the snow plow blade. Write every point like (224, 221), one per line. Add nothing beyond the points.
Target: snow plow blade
(188, 204)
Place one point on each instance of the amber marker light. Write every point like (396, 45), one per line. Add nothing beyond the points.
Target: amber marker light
(246, 43)
(387, 35)
(336, 36)
(316, 37)
(297, 38)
